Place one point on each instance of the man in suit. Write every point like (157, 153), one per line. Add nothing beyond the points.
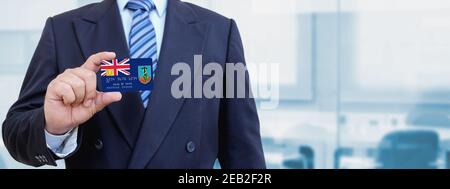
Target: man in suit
(61, 114)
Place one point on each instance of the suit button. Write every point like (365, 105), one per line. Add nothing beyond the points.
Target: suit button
(190, 147)
(99, 144)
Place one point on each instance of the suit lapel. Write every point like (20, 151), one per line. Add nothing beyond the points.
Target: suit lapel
(101, 30)
(183, 38)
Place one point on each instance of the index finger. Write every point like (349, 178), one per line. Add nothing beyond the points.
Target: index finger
(94, 61)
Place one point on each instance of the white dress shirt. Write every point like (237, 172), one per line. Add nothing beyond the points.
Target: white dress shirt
(63, 145)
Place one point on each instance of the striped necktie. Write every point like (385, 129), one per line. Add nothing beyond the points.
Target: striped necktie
(142, 38)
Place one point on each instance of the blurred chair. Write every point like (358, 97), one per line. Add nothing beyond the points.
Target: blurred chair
(339, 153)
(447, 160)
(408, 150)
(304, 160)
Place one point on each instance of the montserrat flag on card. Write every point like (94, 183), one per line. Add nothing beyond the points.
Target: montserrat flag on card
(126, 75)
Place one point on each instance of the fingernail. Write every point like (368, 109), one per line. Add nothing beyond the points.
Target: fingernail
(88, 103)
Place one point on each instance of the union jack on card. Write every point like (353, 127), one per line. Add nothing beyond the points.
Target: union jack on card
(115, 67)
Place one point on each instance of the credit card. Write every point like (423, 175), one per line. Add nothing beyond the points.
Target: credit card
(126, 75)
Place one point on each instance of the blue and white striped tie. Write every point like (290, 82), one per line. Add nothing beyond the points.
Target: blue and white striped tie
(142, 39)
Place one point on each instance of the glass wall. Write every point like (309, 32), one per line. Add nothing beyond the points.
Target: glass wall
(395, 87)
(362, 83)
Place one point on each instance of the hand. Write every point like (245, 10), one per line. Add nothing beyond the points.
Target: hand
(72, 97)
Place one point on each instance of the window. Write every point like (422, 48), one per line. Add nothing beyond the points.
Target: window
(395, 88)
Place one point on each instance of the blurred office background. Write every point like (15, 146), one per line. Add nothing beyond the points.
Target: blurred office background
(364, 83)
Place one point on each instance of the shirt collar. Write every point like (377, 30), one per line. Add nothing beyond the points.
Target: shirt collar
(161, 5)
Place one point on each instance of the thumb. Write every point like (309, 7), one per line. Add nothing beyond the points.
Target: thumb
(104, 99)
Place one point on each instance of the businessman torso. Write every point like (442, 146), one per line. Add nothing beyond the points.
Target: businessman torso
(171, 132)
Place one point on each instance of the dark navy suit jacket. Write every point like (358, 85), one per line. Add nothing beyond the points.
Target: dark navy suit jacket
(171, 133)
